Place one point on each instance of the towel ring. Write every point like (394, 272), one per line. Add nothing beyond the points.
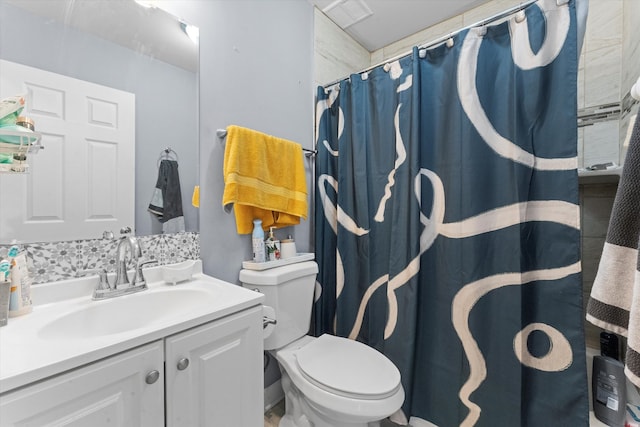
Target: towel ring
(167, 154)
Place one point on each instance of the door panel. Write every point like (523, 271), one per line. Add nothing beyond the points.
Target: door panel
(83, 182)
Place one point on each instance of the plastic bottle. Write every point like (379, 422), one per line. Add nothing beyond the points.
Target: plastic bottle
(20, 297)
(273, 246)
(5, 290)
(10, 109)
(608, 388)
(258, 241)
(609, 345)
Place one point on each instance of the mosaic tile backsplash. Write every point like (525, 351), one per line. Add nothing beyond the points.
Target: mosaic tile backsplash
(50, 262)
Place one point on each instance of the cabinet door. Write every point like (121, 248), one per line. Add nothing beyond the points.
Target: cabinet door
(222, 385)
(112, 392)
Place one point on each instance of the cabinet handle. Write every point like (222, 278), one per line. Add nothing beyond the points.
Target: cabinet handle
(152, 377)
(183, 364)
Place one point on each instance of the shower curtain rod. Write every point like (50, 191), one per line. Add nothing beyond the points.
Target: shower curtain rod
(442, 39)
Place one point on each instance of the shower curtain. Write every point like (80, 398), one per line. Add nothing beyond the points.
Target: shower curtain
(447, 223)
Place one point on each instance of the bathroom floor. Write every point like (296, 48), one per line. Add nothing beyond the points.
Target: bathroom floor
(273, 415)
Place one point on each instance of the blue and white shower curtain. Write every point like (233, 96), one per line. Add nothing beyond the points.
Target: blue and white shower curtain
(447, 223)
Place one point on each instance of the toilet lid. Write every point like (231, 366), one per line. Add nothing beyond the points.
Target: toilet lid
(348, 368)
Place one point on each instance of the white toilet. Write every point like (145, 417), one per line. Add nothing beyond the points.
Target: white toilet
(328, 381)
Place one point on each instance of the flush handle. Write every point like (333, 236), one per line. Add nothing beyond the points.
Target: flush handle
(152, 377)
(183, 364)
(267, 321)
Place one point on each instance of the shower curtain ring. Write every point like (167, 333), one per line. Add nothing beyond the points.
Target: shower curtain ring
(450, 42)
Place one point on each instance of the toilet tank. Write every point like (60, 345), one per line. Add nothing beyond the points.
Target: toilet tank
(289, 291)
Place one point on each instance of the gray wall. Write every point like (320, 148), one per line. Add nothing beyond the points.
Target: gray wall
(256, 70)
(33, 41)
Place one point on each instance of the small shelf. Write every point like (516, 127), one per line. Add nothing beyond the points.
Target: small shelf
(18, 145)
(250, 265)
(603, 176)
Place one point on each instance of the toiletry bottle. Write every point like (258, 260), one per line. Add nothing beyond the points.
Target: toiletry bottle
(609, 391)
(258, 241)
(273, 246)
(288, 248)
(5, 291)
(20, 298)
(609, 345)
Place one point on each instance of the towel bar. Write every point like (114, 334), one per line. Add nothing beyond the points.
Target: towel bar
(167, 154)
(222, 133)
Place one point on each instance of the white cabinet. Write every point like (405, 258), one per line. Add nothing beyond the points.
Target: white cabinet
(112, 392)
(213, 378)
(214, 373)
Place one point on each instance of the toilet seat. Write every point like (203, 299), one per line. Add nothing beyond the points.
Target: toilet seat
(347, 368)
(333, 404)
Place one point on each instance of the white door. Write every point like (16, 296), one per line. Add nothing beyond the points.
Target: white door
(110, 393)
(214, 373)
(83, 182)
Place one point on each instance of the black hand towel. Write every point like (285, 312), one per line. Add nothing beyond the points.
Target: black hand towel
(166, 202)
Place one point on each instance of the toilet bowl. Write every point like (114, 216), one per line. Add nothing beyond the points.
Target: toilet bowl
(328, 381)
(332, 381)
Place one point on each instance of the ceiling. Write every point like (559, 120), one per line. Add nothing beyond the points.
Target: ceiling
(153, 32)
(149, 31)
(378, 23)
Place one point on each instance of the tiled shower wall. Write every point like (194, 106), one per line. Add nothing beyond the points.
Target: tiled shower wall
(596, 201)
(50, 262)
(607, 65)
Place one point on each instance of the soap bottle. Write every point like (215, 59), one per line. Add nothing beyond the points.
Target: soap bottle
(273, 246)
(288, 248)
(258, 241)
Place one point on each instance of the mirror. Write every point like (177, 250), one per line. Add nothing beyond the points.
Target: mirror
(128, 47)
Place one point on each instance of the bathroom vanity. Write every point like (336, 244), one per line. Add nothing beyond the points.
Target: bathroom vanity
(182, 355)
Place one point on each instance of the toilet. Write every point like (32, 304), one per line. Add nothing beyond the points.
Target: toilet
(328, 381)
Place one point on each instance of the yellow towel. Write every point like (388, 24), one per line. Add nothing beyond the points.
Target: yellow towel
(264, 179)
(195, 197)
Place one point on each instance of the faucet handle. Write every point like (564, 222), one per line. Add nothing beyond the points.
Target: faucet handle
(138, 278)
(103, 280)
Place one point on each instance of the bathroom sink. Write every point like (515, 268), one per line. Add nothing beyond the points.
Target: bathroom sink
(126, 313)
(67, 329)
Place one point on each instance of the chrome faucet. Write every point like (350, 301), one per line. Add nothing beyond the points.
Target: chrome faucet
(127, 244)
(128, 249)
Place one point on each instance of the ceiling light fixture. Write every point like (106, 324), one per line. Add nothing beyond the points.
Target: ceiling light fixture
(192, 31)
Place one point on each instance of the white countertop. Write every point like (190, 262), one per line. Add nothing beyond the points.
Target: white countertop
(28, 355)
